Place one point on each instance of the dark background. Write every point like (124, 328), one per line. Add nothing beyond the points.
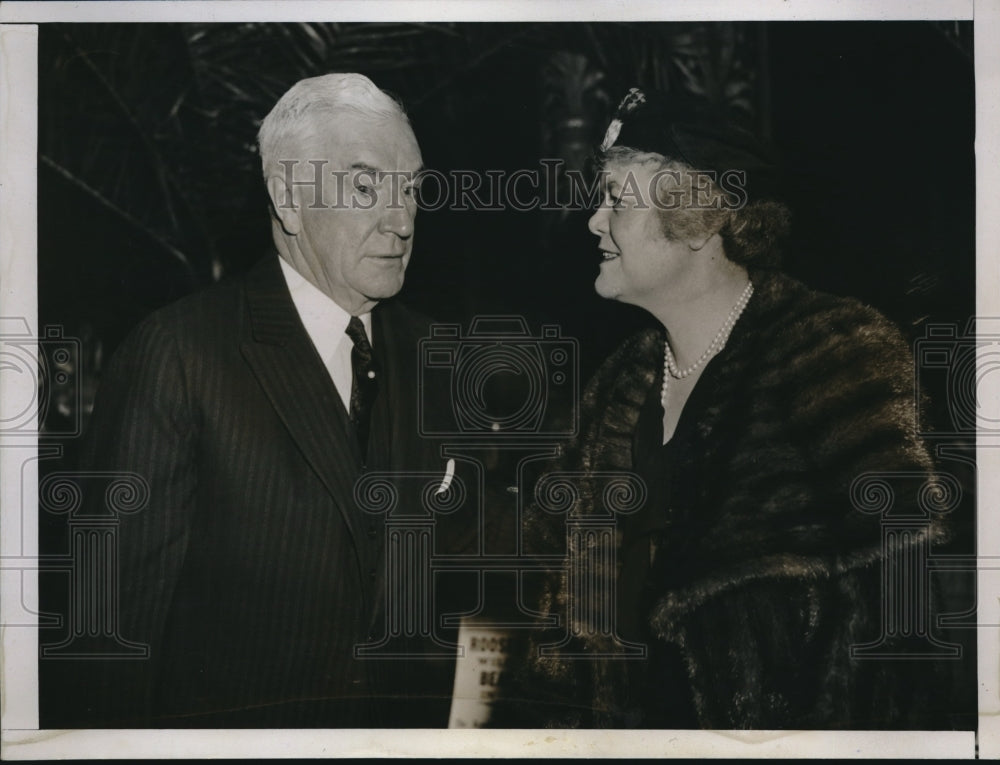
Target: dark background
(150, 185)
(150, 188)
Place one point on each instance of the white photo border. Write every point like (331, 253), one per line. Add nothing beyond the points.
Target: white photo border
(21, 738)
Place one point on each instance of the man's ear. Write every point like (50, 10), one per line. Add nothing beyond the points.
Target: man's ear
(285, 204)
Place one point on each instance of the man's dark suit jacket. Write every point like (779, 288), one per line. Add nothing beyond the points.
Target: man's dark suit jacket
(252, 573)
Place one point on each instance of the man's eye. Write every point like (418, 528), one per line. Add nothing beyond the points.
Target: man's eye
(616, 201)
(363, 188)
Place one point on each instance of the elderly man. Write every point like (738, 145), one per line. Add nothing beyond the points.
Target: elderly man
(252, 410)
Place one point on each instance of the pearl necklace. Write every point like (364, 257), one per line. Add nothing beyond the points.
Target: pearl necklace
(718, 343)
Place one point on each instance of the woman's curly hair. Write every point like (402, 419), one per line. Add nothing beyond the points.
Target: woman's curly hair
(753, 232)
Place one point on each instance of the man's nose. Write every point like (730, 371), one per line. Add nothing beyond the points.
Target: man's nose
(397, 219)
(598, 223)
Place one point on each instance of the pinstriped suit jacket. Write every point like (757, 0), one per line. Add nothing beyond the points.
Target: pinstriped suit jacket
(252, 573)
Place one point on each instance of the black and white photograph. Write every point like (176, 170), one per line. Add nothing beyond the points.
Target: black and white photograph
(395, 379)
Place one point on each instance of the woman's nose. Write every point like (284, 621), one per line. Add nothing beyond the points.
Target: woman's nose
(598, 221)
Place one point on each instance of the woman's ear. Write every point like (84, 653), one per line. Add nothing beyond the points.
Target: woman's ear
(698, 242)
(284, 204)
(712, 225)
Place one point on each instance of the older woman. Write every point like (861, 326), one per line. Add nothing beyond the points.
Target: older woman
(748, 574)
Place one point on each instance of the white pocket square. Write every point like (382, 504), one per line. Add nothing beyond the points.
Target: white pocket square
(449, 473)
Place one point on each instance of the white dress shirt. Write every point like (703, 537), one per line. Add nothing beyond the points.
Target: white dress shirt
(326, 325)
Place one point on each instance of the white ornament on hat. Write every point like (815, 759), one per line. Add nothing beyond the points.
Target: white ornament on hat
(632, 99)
(611, 134)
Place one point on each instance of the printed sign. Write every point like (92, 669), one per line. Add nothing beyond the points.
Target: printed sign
(477, 673)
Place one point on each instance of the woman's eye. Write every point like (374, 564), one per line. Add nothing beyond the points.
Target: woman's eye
(363, 188)
(616, 201)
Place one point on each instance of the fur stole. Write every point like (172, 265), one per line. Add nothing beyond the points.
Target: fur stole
(768, 568)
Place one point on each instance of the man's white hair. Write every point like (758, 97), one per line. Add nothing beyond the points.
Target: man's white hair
(304, 112)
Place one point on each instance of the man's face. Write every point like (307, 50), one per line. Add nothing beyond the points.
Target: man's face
(356, 246)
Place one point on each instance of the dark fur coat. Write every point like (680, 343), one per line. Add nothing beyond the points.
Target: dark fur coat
(766, 573)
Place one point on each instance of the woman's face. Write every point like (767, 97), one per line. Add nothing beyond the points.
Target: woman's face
(639, 263)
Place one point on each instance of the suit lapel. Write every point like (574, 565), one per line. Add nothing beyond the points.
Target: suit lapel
(397, 345)
(284, 360)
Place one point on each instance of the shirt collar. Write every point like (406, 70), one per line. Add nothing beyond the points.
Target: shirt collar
(325, 321)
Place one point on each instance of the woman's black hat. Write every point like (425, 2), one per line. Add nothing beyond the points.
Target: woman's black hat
(694, 131)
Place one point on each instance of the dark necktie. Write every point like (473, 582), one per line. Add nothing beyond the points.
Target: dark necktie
(364, 384)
